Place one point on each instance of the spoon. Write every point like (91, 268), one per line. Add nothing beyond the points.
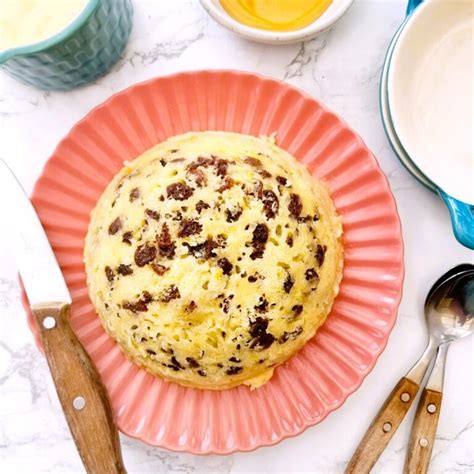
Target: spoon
(450, 317)
(449, 313)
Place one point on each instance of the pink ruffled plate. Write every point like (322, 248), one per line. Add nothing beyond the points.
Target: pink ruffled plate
(333, 364)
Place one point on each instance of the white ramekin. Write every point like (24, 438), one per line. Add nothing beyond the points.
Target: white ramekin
(326, 20)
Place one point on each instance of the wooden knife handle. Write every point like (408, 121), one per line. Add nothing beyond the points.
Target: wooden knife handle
(383, 426)
(423, 432)
(80, 390)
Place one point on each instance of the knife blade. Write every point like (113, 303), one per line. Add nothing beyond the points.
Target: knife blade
(37, 264)
(80, 390)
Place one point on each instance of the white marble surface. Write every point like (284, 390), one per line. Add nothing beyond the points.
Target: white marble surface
(341, 68)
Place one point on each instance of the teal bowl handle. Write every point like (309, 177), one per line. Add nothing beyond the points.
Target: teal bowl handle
(462, 219)
(412, 4)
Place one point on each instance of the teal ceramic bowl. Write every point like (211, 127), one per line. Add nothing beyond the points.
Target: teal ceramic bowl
(461, 213)
(83, 51)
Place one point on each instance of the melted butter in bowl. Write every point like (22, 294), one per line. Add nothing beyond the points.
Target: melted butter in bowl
(283, 15)
(24, 22)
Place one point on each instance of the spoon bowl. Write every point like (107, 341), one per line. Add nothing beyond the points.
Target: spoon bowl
(449, 307)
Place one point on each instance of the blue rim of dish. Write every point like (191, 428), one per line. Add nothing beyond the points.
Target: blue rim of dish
(47, 43)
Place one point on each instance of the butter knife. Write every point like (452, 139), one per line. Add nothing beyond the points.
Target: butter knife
(80, 390)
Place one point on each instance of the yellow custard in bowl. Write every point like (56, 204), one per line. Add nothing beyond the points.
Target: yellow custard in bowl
(25, 22)
(272, 15)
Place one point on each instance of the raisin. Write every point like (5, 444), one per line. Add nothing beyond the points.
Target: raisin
(225, 305)
(234, 359)
(258, 190)
(289, 241)
(260, 235)
(221, 167)
(134, 194)
(310, 274)
(202, 205)
(171, 293)
(320, 254)
(261, 339)
(189, 227)
(281, 180)
(179, 191)
(115, 226)
(139, 305)
(191, 307)
(165, 245)
(152, 214)
(201, 161)
(295, 207)
(124, 270)
(193, 363)
(144, 254)
(288, 284)
(163, 162)
(175, 362)
(109, 273)
(259, 239)
(199, 176)
(203, 250)
(151, 352)
(127, 237)
(270, 204)
(297, 309)
(201, 373)
(225, 265)
(159, 269)
(264, 174)
(177, 216)
(255, 162)
(262, 306)
(221, 241)
(287, 335)
(228, 183)
(234, 370)
(252, 278)
(233, 215)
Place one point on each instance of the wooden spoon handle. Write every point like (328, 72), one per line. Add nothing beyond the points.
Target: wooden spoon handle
(383, 426)
(81, 392)
(423, 432)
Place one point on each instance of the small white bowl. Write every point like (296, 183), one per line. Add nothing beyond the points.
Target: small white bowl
(326, 20)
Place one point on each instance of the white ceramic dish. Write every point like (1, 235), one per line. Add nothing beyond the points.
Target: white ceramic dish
(326, 20)
(430, 93)
(426, 105)
(388, 125)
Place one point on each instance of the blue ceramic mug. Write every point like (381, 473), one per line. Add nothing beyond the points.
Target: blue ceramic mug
(86, 49)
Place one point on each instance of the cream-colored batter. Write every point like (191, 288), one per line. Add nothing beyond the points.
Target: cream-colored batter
(25, 22)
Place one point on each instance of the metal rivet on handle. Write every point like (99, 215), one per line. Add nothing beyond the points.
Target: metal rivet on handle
(405, 397)
(49, 322)
(79, 403)
(431, 408)
(423, 442)
(387, 427)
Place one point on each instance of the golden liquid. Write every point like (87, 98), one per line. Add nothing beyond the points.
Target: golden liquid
(276, 15)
